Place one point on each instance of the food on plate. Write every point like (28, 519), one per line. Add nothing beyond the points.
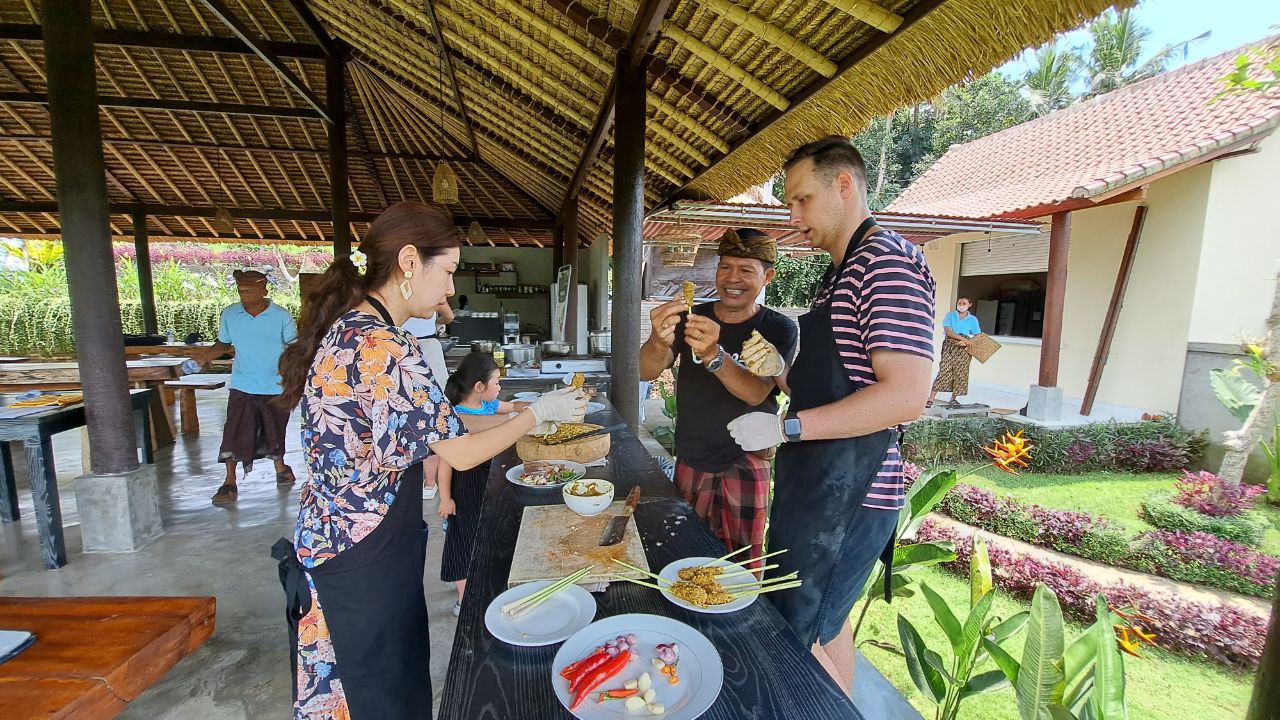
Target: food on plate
(591, 675)
(665, 663)
(639, 696)
(568, 430)
(586, 489)
(544, 474)
(700, 575)
(690, 592)
(760, 356)
(687, 288)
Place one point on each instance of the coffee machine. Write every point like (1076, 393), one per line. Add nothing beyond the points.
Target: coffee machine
(510, 328)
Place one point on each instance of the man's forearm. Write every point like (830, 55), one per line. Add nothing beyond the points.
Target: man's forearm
(742, 383)
(653, 360)
(869, 410)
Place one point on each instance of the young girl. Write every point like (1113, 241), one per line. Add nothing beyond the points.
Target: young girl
(473, 389)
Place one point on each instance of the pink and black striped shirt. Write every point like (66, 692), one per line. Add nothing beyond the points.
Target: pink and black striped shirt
(881, 299)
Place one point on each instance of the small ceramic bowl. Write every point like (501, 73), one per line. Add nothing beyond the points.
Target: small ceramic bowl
(587, 506)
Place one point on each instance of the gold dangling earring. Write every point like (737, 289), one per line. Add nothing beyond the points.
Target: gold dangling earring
(406, 290)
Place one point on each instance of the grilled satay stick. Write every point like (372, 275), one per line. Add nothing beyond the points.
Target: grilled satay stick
(687, 288)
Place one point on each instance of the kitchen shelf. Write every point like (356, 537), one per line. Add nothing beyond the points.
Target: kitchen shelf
(517, 296)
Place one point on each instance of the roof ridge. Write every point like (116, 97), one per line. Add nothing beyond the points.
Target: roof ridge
(1123, 91)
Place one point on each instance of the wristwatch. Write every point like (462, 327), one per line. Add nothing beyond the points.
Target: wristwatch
(717, 362)
(791, 427)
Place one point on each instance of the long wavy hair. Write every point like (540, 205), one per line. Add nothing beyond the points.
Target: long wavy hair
(429, 228)
(475, 368)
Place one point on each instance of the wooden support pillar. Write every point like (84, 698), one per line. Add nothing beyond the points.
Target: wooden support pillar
(1054, 299)
(81, 180)
(1113, 310)
(336, 95)
(146, 287)
(569, 256)
(628, 224)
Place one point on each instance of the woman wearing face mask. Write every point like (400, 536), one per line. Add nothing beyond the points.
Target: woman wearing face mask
(953, 375)
(370, 415)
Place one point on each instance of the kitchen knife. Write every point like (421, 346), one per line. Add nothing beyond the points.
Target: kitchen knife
(617, 525)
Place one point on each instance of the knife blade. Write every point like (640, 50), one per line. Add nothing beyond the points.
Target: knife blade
(617, 525)
(589, 433)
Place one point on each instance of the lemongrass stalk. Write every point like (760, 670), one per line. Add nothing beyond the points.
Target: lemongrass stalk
(571, 577)
(770, 581)
(640, 582)
(726, 557)
(646, 573)
(771, 588)
(547, 593)
(748, 571)
(766, 555)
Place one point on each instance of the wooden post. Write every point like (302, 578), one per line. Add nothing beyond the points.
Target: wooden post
(1113, 310)
(146, 287)
(628, 222)
(1265, 704)
(1054, 298)
(81, 180)
(569, 256)
(336, 95)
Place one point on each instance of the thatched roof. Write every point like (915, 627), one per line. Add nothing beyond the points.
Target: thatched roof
(509, 93)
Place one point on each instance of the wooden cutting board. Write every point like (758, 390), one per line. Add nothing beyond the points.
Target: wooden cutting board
(555, 541)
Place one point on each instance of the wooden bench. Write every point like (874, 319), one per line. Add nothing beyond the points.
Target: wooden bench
(187, 387)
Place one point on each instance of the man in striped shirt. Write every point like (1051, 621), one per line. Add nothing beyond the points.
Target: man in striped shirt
(863, 369)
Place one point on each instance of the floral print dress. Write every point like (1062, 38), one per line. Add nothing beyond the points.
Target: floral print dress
(369, 411)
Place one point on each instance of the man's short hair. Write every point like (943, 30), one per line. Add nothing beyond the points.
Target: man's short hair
(831, 155)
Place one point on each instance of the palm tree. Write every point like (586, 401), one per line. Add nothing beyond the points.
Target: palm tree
(1049, 80)
(1117, 45)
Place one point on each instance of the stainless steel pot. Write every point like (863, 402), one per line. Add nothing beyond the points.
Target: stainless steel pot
(556, 347)
(601, 343)
(484, 346)
(519, 354)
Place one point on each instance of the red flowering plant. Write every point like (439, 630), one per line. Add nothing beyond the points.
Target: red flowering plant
(1207, 494)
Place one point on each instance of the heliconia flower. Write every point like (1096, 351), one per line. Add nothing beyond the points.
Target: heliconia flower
(1010, 452)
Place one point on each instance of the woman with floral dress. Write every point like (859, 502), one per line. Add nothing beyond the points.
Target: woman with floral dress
(371, 413)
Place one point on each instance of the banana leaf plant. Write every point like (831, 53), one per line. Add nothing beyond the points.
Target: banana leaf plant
(1056, 681)
(965, 671)
(920, 500)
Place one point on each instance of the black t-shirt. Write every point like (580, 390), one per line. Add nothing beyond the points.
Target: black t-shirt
(705, 405)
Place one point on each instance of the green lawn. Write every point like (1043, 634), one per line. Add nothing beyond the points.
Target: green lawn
(1116, 495)
(1161, 686)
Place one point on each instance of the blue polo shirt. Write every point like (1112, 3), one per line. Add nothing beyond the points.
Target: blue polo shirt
(258, 342)
(967, 326)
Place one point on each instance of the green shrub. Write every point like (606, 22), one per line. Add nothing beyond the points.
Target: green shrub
(44, 328)
(1160, 510)
(1142, 446)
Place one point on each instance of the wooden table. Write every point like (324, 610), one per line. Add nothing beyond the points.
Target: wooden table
(143, 372)
(93, 656)
(768, 671)
(176, 350)
(36, 433)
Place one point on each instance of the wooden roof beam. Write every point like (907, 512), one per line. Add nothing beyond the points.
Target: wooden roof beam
(453, 76)
(644, 30)
(658, 68)
(170, 41)
(259, 46)
(281, 214)
(914, 15)
(314, 27)
(428, 157)
(175, 105)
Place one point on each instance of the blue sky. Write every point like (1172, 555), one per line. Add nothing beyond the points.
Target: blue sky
(1231, 23)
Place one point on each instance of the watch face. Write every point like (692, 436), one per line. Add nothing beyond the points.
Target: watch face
(791, 427)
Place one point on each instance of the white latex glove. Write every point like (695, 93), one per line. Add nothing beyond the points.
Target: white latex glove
(545, 428)
(564, 405)
(757, 431)
(761, 357)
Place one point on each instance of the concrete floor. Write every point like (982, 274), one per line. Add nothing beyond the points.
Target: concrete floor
(242, 671)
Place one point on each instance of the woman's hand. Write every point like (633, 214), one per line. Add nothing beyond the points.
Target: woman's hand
(447, 507)
(564, 405)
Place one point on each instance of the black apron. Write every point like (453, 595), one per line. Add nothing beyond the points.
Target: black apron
(820, 485)
(374, 604)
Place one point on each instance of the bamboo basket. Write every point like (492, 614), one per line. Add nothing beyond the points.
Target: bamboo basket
(444, 185)
(982, 347)
(678, 249)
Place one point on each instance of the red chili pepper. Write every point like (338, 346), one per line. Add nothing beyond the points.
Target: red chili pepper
(586, 668)
(617, 694)
(572, 669)
(597, 677)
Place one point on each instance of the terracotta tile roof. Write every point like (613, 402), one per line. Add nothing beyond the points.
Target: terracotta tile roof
(1094, 147)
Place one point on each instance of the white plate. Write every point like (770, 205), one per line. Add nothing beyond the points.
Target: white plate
(594, 407)
(560, 616)
(672, 573)
(526, 396)
(579, 471)
(700, 670)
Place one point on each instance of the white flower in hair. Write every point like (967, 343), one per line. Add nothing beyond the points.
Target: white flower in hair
(360, 260)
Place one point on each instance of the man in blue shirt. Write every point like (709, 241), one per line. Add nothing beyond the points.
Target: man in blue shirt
(258, 330)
